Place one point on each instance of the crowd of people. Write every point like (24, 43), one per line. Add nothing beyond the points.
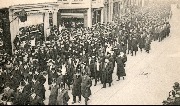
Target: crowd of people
(76, 57)
(174, 96)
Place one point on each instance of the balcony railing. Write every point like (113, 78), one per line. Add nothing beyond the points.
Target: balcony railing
(96, 3)
(72, 1)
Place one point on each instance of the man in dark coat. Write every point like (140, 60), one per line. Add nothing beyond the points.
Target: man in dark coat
(147, 44)
(141, 42)
(35, 100)
(92, 68)
(2, 79)
(51, 75)
(60, 79)
(40, 90)
(76, 90)
(8, 92)
(85, 87)
(107, 73)
(70, 73)
(109, 69)
(97, 71)
(63, 97)
(24, 91)
(134, 46)
(104, 73)
(120, 68)
(53, 94)
(129, 44)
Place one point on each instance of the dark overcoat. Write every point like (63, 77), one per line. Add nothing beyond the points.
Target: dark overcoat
(141, 42)
(85, 86)
(134, 44)
(53, 95)
(63, 97)
(76, 89)
(109, 69)
(147, 44)
(36, 101)
(120, 67)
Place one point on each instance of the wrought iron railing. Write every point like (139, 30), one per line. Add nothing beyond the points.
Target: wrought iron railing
(81, 1)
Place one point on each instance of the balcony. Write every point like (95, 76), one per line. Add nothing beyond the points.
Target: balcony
(82, 3)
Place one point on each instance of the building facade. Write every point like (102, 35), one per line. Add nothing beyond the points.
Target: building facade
(69, 13)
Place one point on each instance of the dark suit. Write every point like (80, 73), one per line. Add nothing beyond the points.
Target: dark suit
(85, 87)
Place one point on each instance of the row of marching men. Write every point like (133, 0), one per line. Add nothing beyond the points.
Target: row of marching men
(98, 68)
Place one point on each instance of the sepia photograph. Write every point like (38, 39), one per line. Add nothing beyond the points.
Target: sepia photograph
(90, 52)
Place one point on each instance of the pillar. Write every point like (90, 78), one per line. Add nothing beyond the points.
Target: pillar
(55, 18)
(106, 14)
(59, 21)
(111, 11)
(89, 18)
(85, 19)
(46, 23)
(137, 1)
(142, 3)
(102, 15)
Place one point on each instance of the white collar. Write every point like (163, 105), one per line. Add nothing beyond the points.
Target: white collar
(33, 95)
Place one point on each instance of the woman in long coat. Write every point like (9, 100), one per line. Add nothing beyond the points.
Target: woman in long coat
(85, 87)
(120, 68)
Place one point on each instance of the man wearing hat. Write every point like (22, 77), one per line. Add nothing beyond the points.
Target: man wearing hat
(85, 87)
(134, 45)
(106, 73)
(76, 89)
